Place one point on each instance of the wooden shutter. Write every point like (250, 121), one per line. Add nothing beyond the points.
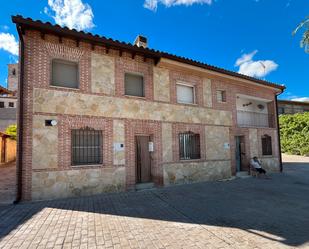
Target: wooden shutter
(64, 74)
(134, 85)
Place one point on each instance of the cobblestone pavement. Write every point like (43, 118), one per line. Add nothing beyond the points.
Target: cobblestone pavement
(243, 213)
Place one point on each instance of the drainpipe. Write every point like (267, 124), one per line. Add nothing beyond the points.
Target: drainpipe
(278, 133)
(19, 165)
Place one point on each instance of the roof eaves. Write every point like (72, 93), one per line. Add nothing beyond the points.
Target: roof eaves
(155, 54)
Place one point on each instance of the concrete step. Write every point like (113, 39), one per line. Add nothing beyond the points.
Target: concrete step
(242, 174)
(143, 186)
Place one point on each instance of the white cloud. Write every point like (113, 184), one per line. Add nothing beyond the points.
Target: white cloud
(259, 68)
(153, 4)
(71, 13)
(9, 43)
(302, 99)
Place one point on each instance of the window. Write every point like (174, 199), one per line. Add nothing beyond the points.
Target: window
(221, 96)
(266, 145)
(1, 104)
(281, 110)
(189, 146)
(86, 147)
(11, 104)
(185, 94)
(14, 71)
(134, 85)
(64, 74)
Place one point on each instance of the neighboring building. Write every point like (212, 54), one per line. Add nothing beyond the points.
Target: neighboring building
(7, 148)
(98, 115)
(291, 107)
(13, 77)
(8, 103)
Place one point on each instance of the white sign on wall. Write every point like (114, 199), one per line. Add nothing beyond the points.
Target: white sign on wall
(118, 147)
(150, 147)
(226, 146)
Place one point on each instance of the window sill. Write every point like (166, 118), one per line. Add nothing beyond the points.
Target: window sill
(135, 97)
(191, 160)
(189, 104)
(64, 88)
(88, 166)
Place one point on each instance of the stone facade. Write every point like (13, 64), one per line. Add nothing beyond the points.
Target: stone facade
(77, 182)
(100, 103)
(189, 172)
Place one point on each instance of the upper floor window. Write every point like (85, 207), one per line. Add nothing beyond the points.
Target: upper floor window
(14, 72)
(221, 96)
(134, 85)
(11, 104)
(266, 145)
(86, 147)
(64, 74)
(1, 104)
(189, 146)
(185, 94)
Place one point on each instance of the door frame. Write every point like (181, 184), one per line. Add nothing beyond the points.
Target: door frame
(138, 165)
(240, 153)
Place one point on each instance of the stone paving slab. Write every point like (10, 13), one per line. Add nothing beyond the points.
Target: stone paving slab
(243, 213)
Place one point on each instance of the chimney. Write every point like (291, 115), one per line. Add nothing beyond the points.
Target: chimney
(141, 41)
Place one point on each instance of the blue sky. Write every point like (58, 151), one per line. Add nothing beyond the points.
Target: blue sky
(250, 36)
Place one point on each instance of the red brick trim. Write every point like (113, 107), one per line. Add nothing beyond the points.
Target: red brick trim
(181, 128)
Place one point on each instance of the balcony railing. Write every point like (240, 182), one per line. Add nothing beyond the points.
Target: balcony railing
(254, 119)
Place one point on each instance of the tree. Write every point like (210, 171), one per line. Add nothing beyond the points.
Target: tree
(304, 43)
(294, 132)
(12, 131)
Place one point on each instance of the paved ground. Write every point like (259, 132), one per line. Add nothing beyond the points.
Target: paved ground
(7, 183)
(243, 213)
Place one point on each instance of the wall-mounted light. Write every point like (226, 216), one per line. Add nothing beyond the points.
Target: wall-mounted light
(51, 122)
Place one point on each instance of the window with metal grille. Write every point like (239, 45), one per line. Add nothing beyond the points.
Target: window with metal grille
(221, 96)
(266, 145)
(1, 104)
(11, 104)
(64, 73)
(86, 147)
(189, 146)
(134, 85)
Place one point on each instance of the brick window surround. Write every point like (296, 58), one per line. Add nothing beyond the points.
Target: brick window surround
(147, 128)
(186, 79)
(133, 66)
(68, 123)
(184, 128)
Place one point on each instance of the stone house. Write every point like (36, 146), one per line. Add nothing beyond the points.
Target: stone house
(98, 115)
(292, 107)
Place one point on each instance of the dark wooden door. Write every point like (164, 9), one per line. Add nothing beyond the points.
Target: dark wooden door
(240, 153)
(143, 172)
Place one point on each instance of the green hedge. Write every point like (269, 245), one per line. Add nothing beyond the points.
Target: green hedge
(294, 131)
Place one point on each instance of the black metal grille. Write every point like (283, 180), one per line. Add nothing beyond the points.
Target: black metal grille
(266, 145)
(189, 146)
(86, 147)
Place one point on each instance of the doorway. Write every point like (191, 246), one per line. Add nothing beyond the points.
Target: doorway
(240, 153)
(143, 162)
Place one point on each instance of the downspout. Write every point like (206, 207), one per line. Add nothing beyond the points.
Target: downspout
(278, 133)
(19, 165)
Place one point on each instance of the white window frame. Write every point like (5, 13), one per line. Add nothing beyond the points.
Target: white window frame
(187, 85)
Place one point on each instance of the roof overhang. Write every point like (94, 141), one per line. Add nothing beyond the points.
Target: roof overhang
(64, 32)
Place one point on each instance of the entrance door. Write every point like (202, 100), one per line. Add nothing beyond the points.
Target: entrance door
(240, 153)
(143, 173)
